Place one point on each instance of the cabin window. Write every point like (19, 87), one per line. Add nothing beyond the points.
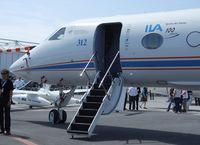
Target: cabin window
(59, 35)
(152, 41)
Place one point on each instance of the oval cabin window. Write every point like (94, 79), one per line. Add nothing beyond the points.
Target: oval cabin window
(152, 41)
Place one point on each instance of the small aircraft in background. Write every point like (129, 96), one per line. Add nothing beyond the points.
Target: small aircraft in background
(44, 97)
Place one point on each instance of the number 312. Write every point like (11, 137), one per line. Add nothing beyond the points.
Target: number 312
(81, 42)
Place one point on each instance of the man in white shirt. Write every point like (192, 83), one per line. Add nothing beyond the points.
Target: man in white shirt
(18, 83)
(177, 100)
(132, 92)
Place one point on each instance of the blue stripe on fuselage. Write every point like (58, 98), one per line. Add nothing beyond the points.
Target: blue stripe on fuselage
(128, 64)
(167, 63)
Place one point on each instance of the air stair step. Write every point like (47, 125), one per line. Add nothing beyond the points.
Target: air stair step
(77, 132)
(80, 126)
(91, 105)
(84, 119)
(88, 112)
(98, 92)
(95, 99)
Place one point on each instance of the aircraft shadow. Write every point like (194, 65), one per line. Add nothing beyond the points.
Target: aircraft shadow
(28, 109)
(132, 135)
(48, 124)
(138, 136)
(194, 110)
(190, 110)
(133, 113)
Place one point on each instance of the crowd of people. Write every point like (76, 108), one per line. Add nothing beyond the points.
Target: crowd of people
(179, 100)
(134, 97)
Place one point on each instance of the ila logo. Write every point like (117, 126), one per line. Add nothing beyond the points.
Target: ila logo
(152, 28)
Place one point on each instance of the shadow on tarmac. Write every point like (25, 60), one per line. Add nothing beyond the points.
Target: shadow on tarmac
(111, 133)
(130, 135)
(20, 136)
(28, 109)
(48, 124)
(132, 113)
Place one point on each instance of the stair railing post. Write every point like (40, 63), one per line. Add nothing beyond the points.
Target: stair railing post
(85, 69)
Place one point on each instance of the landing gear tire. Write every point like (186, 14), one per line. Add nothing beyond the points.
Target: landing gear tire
(63, 117)
(54, 116)
(30, 107)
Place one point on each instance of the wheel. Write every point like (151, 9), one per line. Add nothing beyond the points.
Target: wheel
(30, 107)
(54, 116)
(63, 116)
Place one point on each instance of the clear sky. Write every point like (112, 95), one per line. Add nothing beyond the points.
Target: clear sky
(34, 20)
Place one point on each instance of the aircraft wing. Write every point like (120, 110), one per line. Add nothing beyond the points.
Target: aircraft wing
(32, 93)
(77, 91)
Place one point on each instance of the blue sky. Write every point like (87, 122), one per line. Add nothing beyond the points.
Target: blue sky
(34, 20)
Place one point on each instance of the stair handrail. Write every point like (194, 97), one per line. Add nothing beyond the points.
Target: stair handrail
(108, 70)
(92, 86)
(84, 70)
(95, 117)
(86, 94)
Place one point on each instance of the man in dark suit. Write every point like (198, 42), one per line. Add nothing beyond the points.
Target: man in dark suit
(137, 97)
(5, 102)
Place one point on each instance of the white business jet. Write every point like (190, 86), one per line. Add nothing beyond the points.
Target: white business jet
(41, 98)
(44, 97)
(155, 49)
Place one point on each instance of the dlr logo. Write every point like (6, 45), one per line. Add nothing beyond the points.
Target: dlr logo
(152, 28)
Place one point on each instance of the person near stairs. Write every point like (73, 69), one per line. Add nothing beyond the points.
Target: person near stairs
(125, 101)
(136, 100)
(132, 92)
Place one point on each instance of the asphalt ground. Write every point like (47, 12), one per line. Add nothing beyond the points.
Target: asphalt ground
(154, 126)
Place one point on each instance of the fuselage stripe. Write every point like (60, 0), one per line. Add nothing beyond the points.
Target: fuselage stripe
(127, 64)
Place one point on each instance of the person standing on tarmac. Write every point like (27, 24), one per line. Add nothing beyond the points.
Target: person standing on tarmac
(185, 100)
(1, 131)
(171, 98)
(125, 101)
(177, 100)
(5, 102)
(132, 92)
(144, 97)
(136, 99)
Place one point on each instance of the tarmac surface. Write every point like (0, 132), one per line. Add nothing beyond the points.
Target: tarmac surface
(154, 126)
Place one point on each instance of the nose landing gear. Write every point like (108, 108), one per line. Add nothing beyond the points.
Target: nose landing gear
(57, 116)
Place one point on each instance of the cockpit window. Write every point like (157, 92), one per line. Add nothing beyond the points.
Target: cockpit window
(58, 35)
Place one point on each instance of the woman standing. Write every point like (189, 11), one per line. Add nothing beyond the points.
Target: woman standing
(171, 99)
(144, 98)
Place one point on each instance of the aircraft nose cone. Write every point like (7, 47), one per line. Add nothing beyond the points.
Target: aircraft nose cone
(13, 68)
(16, 67)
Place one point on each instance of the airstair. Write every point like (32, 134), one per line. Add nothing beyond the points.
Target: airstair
(101, 99)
